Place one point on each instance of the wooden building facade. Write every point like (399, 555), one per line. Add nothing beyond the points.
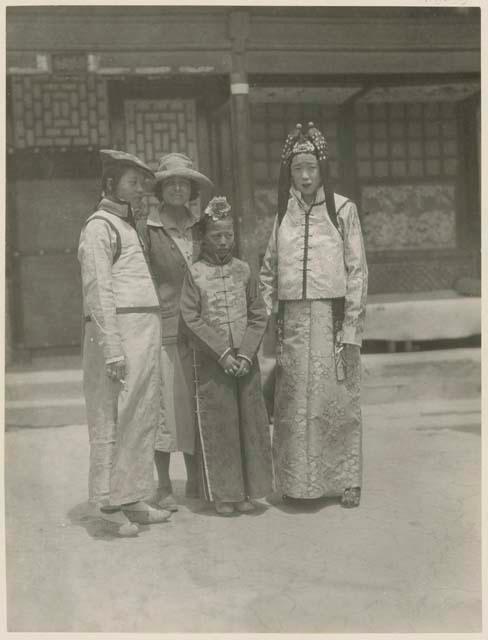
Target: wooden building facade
(396, 90)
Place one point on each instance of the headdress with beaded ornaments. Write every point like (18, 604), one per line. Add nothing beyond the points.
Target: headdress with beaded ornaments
(299, 141)
(218, 208)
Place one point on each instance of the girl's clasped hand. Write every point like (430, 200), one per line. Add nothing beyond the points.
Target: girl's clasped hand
(236, 367)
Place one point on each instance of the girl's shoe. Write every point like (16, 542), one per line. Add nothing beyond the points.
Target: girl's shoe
(124, 527)
(351, 497)
(224, 508)
(244, 506)
(142, 513)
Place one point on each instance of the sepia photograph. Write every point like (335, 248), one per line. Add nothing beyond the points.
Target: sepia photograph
(243, 318)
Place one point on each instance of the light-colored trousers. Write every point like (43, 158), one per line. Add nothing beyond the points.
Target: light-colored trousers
(122, 422)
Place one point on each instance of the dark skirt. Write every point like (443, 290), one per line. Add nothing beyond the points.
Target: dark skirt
(233, 435)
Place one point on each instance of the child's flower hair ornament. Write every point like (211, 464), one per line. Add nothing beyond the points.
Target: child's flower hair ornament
(218, 208)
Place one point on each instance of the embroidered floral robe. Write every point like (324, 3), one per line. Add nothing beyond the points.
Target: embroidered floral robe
(317, 419)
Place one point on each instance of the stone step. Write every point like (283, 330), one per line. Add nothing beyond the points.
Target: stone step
(426, 408)
(54, 397)
(449, 374)
(49, 415)
(65, 389)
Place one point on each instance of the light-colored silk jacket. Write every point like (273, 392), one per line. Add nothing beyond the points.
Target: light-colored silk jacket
(111, 284)
(222, 308)
(317, 261)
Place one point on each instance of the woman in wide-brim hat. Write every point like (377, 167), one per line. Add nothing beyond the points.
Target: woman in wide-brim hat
(173, 244)
(178, 165)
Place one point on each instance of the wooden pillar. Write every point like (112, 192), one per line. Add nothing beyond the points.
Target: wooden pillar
(469, 223)
(244, 209)
(346, 143)
(13, 315)
(347, 147)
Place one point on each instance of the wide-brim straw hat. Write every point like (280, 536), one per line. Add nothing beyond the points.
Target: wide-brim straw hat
(114, 157)
(178, 165)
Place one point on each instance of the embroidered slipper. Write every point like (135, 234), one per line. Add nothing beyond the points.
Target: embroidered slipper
(123, 526)
(142, 513)
(351, 497)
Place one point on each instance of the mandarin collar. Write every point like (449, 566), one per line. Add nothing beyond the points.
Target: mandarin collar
(212, 258)
(297, 196)
(297, 207)
(120, 209)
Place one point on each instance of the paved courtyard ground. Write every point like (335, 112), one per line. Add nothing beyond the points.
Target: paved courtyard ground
(408, 560)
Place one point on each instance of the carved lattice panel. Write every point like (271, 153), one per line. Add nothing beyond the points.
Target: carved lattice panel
(59, 112)
(397, 141)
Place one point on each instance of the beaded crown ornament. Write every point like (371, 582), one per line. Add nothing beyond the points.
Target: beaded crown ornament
(313, 141)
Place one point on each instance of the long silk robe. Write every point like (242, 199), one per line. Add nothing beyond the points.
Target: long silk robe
(317, 420)
(223, 311)
(121, 310)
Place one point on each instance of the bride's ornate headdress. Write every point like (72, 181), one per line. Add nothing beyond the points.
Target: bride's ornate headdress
(300, 141)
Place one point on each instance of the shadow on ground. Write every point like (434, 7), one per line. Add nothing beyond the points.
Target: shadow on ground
(201, 507)
(96, 527)
(295, 505)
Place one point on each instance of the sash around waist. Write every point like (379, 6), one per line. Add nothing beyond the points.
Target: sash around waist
(124, 310)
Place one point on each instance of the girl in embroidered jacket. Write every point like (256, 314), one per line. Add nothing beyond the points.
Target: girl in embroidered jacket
(225, 317)
(314, 276)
